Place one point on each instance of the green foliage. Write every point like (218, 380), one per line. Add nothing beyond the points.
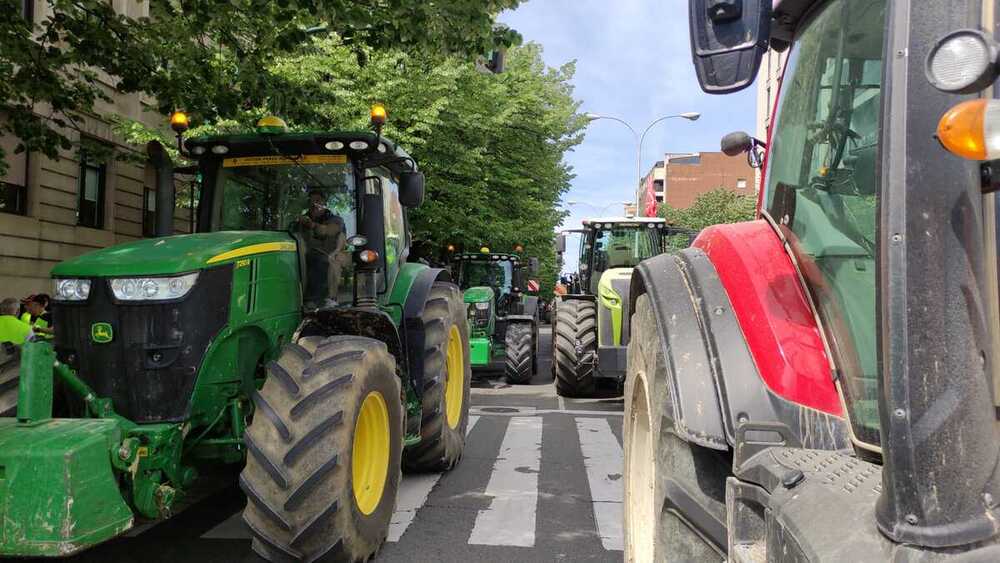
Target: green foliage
(212, 57)
(712, 208)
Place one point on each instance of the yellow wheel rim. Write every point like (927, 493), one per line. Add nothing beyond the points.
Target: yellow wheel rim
(454, 390)
(370, 453)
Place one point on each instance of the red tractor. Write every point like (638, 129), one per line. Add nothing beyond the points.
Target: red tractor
(820, 384)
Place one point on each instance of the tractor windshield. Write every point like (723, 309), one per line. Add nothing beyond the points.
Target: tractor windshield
(498, 274)
(277, 193)
(822, 185)
(619, 246)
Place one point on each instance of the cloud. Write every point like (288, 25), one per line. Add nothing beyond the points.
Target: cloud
(633, 62)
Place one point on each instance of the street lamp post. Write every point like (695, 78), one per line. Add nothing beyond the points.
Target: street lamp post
(601, 209)
(689, 115)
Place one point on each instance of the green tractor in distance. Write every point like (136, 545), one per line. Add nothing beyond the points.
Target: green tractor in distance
(177, 356)
(589, 335)
(503, 319)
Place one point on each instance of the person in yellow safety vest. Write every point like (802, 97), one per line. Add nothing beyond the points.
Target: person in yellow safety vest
(39, 317)
(12, 329)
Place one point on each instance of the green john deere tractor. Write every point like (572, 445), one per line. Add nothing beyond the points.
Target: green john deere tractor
(589, 337)
(503, 318)
(178, 356)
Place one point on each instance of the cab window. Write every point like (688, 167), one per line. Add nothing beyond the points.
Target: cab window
(822, 186)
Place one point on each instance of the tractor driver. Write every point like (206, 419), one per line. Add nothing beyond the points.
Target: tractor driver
(325, 238)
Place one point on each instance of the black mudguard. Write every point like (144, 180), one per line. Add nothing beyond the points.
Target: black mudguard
(412, 331)
(363, 321)
(715, 380)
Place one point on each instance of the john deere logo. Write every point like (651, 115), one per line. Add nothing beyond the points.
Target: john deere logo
(101, 333)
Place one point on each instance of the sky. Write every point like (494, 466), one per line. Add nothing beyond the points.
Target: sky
(633, 61)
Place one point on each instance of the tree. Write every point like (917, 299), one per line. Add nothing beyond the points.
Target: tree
(711, 208)
(491, 146)
(202, 54)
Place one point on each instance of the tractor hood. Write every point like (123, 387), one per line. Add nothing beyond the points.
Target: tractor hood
(172, 255)
(478, 294)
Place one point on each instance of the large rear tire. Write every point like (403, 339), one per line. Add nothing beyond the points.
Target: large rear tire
(656, 459)
(574, 346)
(10, 366)
(447, 379)
(324, 451)
(520, 353)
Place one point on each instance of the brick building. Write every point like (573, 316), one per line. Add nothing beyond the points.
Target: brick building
(679, 179)
(51, 210)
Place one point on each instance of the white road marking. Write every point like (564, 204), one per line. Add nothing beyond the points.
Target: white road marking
(413, 493)
(603, 459)
(510, 519)
(526, 411)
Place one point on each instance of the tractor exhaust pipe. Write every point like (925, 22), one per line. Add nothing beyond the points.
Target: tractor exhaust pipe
(164, 188)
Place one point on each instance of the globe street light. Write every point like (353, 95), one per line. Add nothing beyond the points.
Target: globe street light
(688, 115)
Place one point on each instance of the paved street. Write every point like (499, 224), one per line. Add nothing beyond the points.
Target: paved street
(540, 481)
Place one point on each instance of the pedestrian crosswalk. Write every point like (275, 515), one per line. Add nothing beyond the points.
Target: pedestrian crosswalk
(519, 485)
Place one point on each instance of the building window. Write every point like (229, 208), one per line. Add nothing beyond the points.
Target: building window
(149, 213)
(14, 182)
(90, 206)
(28, 10)
(741, 184)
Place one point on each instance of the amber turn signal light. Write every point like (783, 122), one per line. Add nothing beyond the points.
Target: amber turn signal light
(368, 256)
(971, 130)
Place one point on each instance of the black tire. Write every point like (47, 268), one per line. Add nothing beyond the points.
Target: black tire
(442, 437)
(10, 366)
(656, 459)
(299, 477)
(520, 353)
(574, 343)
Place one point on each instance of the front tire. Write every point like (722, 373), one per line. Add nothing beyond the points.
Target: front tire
(324, 451)
(520, 357)
(447, 380)
(656, 459)
(574, 346)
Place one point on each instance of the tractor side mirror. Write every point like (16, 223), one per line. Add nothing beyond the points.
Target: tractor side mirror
(411, 189)
(728, 40)
(740, 142)
(560, 243)
(532, 265)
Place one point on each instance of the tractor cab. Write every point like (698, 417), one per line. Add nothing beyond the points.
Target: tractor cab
(494, 286)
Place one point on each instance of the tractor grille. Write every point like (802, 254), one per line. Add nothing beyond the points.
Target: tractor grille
(478, 318)
(150, 367)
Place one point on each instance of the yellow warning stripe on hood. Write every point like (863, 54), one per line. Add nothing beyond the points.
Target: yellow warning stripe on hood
(253, 249)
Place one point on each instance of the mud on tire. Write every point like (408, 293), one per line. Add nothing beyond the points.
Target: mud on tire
(574, 343)
(520, 357)
(442, 436)
(298, 479)
(657, 458)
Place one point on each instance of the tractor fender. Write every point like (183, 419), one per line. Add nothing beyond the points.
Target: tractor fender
(412, 330)
(714, 379)
(362, 321)
(511, 319)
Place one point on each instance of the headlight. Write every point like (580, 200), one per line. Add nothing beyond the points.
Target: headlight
(483, 305)
(153, 289)
(72, 290)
